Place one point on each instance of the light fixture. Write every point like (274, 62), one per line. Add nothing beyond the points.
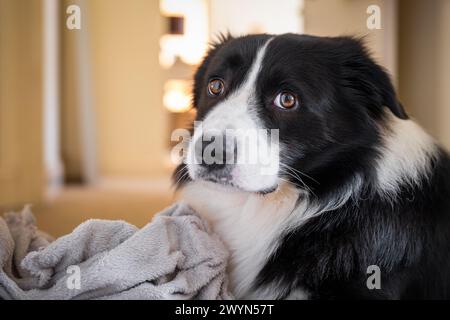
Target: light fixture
(187, 36)
(177, 95)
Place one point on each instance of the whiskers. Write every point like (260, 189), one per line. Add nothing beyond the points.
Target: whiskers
(294, 177)
(180, 175)
(299, 172)
(295, 174)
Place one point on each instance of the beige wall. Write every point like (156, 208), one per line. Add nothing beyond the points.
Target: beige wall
(255, 16)
(424, 64)
(444, 74)
(348, 17)
(21, 146)
(70, 102)
(130, 122)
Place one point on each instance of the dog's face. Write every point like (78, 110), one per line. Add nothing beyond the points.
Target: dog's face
(324, 96)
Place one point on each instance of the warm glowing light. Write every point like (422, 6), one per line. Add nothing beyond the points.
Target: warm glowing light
(192, 45)
(177, 96)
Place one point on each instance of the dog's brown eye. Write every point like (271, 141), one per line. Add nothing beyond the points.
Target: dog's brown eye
(216, 87)
(286, 100)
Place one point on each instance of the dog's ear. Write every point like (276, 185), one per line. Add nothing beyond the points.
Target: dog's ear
(199, 80)
(368, 81)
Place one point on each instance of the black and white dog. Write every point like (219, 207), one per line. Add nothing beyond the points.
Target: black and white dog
(357, 183)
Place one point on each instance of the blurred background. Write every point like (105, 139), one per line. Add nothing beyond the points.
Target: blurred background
(90, 90)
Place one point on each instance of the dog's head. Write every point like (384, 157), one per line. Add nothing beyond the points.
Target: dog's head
(294, 107)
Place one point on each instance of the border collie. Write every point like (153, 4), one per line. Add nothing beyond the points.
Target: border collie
(357, 183)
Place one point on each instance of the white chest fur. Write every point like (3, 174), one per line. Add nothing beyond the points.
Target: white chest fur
(248, 223)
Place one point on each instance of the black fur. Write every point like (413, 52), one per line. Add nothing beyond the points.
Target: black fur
(332, 137)
(408, 239)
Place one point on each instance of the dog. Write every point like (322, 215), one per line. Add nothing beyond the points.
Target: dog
(359, 190)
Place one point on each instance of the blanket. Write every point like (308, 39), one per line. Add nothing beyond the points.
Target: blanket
(175, 256)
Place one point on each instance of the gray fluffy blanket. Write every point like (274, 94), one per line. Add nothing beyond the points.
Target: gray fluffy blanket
(176, 256)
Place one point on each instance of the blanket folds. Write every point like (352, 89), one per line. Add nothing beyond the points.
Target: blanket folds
(176, 256)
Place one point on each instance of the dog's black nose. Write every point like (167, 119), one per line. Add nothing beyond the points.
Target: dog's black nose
(215, 152)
